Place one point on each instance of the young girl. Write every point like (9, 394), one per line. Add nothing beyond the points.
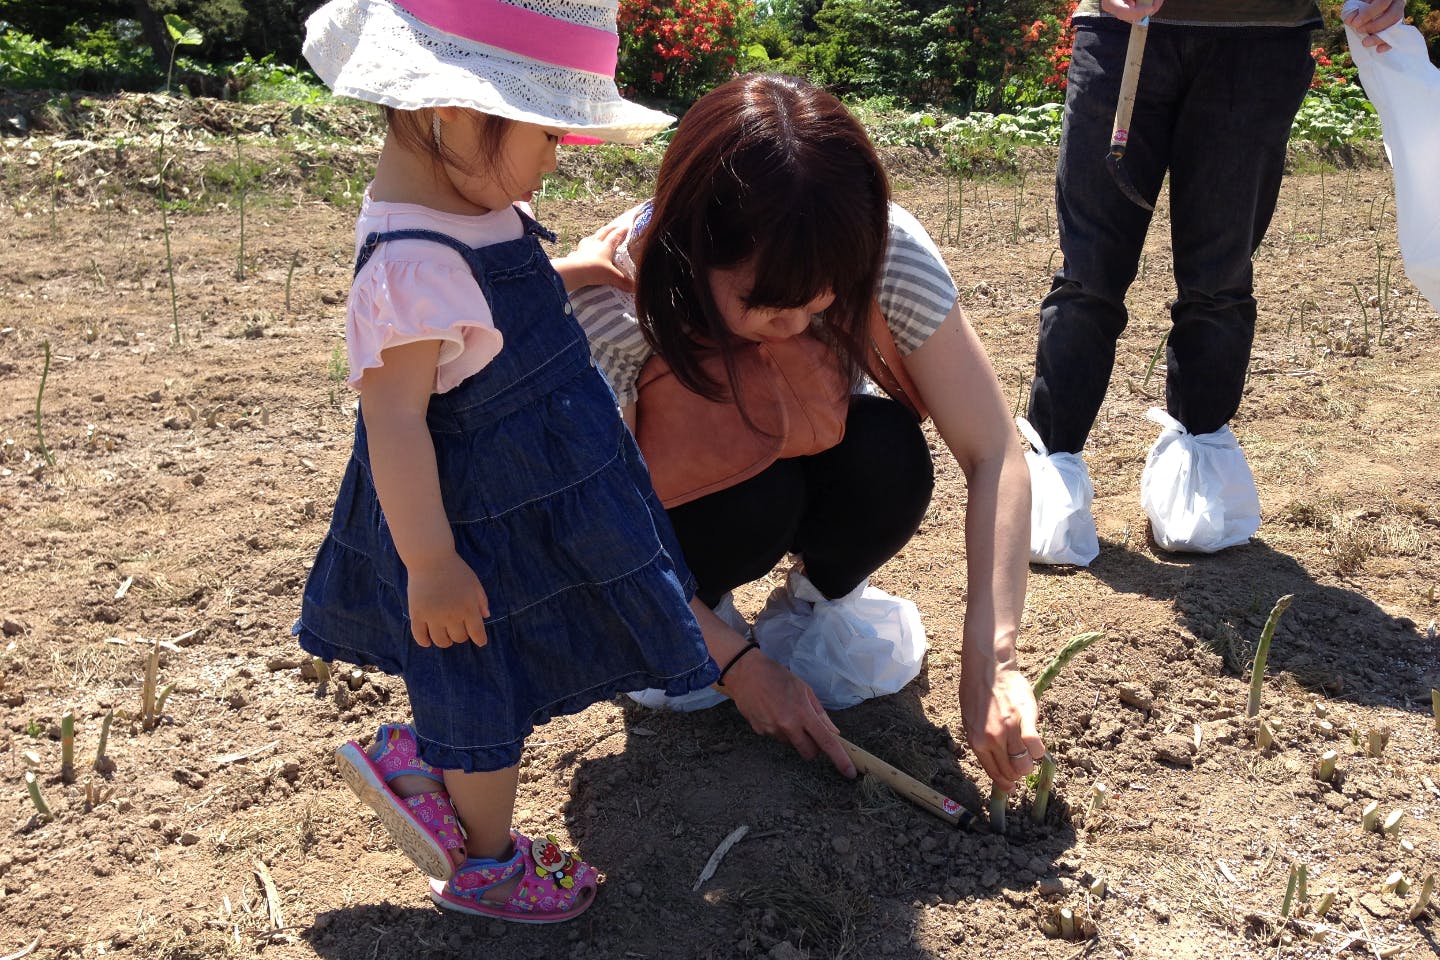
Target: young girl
(496, 541)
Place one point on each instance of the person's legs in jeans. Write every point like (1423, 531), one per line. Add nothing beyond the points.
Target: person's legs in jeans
(1229, 151)
(1101, 231)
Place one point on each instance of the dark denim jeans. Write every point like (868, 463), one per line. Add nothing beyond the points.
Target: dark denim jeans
(1214, 109)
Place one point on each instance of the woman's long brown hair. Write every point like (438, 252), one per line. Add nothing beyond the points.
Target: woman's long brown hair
(774, 173)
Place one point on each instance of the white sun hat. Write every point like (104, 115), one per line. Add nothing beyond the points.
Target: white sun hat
(547, 62)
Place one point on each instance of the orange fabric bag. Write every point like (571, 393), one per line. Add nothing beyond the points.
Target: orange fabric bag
(794, 392)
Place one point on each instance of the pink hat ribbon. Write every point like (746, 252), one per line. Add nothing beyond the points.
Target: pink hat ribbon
(520, 31)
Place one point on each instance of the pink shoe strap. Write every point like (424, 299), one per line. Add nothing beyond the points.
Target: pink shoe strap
(397, 754)
(436, 813)
(476, 875)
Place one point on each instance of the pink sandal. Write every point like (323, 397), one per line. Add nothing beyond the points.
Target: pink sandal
(423, 826)
(556, 886)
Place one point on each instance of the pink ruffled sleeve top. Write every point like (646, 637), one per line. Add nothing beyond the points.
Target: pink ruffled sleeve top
(413, 290)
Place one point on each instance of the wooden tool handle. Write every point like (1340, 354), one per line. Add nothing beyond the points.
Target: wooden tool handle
(1129, 80)
(907, 786)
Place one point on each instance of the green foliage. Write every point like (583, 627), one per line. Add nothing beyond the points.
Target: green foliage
(1332, 121)
(923, 52)
(675, 50)
(264, 80)
(181, 35)
(109, 57)
(974, 140)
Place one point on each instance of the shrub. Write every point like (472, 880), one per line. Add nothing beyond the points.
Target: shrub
(675, 50)
(961, 56)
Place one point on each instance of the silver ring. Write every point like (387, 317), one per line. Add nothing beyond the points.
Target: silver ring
(1022, 753)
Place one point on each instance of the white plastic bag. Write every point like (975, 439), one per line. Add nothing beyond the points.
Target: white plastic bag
(864, 644)
(705, 697)
(1062, 529)
(1405, 88)
(1198, 490)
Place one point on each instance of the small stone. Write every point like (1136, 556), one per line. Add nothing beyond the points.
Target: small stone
(634, 889)
(1050, 887)
(12, 628)
(840, 844)
(1176, 750)
(189, 839)
(785, 950)
(1375, 905)
(188, 777)
(1136, 696)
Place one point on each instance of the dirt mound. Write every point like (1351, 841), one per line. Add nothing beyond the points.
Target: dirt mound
(172, 481)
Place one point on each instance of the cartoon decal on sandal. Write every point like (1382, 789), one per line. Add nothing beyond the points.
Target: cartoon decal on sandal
(551, 861)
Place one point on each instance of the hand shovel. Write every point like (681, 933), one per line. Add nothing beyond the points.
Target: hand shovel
(1134, 54)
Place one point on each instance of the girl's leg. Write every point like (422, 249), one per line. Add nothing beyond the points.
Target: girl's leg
(485, 804)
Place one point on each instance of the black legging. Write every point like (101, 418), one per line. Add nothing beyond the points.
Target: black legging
(845, 511)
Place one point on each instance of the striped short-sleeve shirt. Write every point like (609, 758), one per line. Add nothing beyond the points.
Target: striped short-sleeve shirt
(915, 293)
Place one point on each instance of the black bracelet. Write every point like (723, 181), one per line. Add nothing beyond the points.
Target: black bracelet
(752, 645)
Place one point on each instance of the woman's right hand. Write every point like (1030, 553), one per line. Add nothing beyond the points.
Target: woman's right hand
(776, 702)
(1131, 11)
(779, 704)
(447, 603)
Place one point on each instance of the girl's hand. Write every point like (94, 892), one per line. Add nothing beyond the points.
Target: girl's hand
(447, 603)
(1374, 17)
(592, 262)
(998, 708)
(1131, 11)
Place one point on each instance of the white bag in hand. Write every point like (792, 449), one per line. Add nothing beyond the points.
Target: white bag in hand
(705, 697)
(864, 644)
(1062, 529)
(1198, 490)
(1405, 88)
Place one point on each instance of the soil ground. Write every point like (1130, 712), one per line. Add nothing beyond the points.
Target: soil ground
(195, 456)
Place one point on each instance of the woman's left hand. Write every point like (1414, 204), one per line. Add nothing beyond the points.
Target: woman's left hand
(999, 711)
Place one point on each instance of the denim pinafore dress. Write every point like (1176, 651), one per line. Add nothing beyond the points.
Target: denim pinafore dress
(551, 504)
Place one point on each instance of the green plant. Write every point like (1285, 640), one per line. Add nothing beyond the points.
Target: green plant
(165, 228)
(1045, 777)
(152, 704)
(241, 180)
(289, 275)
(67, 746)
(103, 763)
(32, 786)
(339, 367)
(1155, 358)
(1262, 653)
(181, 35)
(39, 400)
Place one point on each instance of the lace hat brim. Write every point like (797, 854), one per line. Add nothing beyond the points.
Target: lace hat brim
(375, 51)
